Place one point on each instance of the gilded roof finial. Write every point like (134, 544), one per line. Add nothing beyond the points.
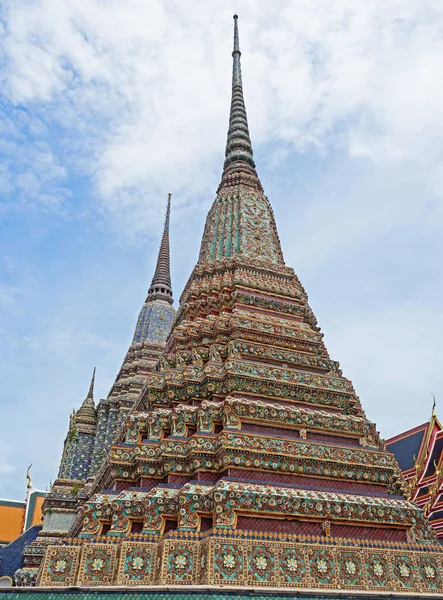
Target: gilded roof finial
(28, 477)
(433, 404)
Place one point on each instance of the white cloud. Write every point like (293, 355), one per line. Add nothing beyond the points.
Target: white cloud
(141, 89)
(30, 174)
(69, 345)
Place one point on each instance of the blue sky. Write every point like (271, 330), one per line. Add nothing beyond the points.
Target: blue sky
(108, 106)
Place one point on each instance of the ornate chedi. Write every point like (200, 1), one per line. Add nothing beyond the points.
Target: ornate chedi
(92, 429)
(152, 329)
(419, 453)
(248, 459)
(77, 450)
(60, 505)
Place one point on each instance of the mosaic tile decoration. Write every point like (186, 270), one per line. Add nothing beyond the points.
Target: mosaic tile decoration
(192, 594)
(244, 458)
(98, 564)
(232, 561)
(154, 322)
(62, 566)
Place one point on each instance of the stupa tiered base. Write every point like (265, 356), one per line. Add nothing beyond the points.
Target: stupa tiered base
(240, 558)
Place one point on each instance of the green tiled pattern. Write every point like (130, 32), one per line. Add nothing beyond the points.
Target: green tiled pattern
(36, 594)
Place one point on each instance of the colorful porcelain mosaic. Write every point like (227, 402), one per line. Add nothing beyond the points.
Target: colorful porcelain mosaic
(93, 430)
(245, 436)
(233, 412)
(226, 500)
(154, 322)
(266, 562)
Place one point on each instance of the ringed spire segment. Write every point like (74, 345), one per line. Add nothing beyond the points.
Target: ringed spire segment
(238, 146)
(156, 316)
(161, 288)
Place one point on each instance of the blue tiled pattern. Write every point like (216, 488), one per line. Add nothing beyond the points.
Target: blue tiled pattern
(11, 556)
(98, 452)
(77, 455)
(67, 458)
(111, 429)
(154, 322)
(82, 456)
(405, 450)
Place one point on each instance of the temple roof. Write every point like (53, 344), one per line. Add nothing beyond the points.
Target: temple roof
(413, 446)
(435, 457)
(419, 453)
(18, 516)
(406, 446)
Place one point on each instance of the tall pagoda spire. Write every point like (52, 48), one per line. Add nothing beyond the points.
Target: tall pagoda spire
(241, 221)
(161, 288)
(93, 429)
(156, 316)
(238, 145)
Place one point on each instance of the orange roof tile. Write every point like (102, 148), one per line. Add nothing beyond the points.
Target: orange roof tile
(12, 517)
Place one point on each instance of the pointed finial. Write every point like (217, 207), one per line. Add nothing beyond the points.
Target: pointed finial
(160, 288)
(91, 387)
(236, 42)
(434, 404)
(168, 212)
(236, 71)
(88, 405)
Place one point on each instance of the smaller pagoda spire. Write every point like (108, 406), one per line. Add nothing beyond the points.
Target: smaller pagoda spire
(91, 387)
(88, 402)
(161, 288)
